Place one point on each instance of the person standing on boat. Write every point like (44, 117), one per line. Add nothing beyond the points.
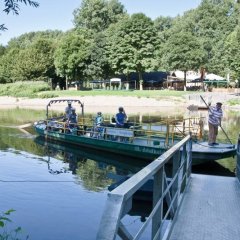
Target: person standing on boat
(121, 118)
(68, 110)
(72, 119)
(215, 115)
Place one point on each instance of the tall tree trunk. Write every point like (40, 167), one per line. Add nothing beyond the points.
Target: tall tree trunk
(140, 80)
(185, 80)
(202, 71)
(66, 83)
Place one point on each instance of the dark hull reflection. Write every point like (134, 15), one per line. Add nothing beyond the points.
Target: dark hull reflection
(73, 154)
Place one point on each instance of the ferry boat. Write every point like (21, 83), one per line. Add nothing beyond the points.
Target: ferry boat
(134, 140)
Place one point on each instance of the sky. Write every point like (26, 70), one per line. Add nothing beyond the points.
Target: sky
(58, 14)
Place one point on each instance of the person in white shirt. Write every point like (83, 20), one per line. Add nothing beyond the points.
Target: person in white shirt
(215, 115)
(68, 110)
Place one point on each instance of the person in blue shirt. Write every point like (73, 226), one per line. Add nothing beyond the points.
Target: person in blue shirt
(121, 118)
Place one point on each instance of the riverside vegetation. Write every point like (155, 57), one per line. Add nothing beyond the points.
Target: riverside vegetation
(34, 89)
(106, 41)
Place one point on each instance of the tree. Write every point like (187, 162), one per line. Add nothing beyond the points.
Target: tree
(97, 15)
(27, 39)
(7, 66)
(212, 22)
(30, 57)
(163, 23)
(232, 53)
(183, 51)
(99, 67)
(36, 61)
(132, 45)
(2, 50)
(72, 55)
(13, 6)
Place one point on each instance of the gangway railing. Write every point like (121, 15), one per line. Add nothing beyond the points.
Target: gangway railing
(167, 188)
(238, 159)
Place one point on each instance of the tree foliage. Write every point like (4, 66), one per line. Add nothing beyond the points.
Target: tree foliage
(132, 44)
(29, 57)
(183, 51)
(107, 41)
(72, 55)
(97, 15)
(232, 53)
(99, 66)
(14, 7)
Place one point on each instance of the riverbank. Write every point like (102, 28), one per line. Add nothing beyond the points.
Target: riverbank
(131, 104)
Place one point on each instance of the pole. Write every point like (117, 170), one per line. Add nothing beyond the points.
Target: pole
(220, 125)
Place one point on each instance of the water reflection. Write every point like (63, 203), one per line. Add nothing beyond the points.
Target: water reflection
(66, 186)
(96, 169)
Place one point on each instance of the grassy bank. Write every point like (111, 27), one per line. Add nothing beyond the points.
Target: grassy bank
(42, 90)
(24, 89)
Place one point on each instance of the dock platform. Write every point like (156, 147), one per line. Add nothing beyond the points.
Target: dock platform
(210, 210)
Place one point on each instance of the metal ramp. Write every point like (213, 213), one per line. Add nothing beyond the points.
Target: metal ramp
(210, 210)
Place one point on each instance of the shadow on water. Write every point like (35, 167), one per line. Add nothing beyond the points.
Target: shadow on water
(213, 168)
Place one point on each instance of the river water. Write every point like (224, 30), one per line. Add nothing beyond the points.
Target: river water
(59, 192)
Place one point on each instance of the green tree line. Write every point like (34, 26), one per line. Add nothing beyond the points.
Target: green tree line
(106, 41)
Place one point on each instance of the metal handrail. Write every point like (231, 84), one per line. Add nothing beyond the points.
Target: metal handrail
(238, 159)
(119, 201)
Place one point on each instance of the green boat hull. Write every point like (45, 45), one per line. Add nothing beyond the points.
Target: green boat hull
(127, 149)
(201, 152)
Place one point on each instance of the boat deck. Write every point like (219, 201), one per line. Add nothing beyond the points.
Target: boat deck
(210, 210)
(203, 147)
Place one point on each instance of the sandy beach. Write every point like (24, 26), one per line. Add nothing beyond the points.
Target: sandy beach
(135, 105)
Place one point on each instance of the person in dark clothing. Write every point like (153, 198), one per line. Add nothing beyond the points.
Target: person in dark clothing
(121, 118)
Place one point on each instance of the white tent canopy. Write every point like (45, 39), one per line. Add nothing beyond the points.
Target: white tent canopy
(115, 80)
(212, 76)
(190, 75)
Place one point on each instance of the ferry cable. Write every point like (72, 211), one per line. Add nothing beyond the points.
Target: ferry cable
(33, 181)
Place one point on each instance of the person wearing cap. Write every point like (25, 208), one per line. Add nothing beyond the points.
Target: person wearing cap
(121, 118)
(215, 115)
(98, 130)
(68, 110)
(98, 119)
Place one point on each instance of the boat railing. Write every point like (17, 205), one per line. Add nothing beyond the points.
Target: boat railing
(193, 125)
(168, 189)
(162, 134)
(238, 159)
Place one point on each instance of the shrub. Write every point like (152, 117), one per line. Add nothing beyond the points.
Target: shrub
(23, 89)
